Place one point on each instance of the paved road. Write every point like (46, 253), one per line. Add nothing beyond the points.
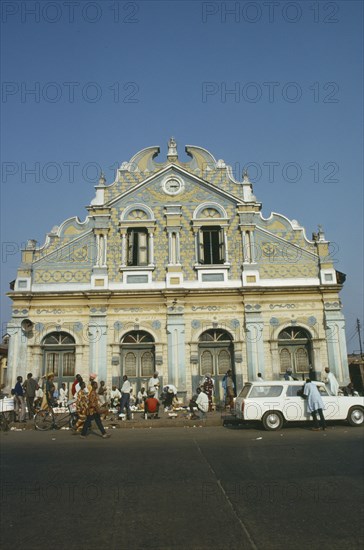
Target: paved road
(198, 488)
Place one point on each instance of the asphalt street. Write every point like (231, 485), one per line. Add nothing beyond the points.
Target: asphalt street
(176, 488)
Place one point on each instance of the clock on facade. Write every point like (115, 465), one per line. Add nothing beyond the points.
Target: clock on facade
(173, 186)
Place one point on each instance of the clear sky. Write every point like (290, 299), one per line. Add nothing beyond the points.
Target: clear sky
(277, 86)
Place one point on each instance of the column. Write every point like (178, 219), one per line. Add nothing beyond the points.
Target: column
(123, 249)
(246, 247)
(176, 350)
(225, 245)
(178, 250)
(254, 344)
(17, 352)
(151, 247)
(103, 243)
(97, 337)
(252, 246)
(97, 262)
(174, 249)
(169, 247)
(196, 245)
(336, 349)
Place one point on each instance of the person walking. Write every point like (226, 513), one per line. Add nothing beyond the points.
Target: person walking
(30, 385)
(93, 412)
(81, 408)
(315, 404)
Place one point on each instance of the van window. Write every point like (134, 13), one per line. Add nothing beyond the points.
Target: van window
(266, 391)
(293, 391)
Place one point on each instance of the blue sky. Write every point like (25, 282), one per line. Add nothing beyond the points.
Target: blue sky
(110, 78)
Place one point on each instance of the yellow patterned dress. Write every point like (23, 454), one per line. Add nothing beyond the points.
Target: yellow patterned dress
(81, 407)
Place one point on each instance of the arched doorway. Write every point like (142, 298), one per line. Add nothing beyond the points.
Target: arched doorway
(295, 351)
(59, 357)
(137, 358)
(216, 356)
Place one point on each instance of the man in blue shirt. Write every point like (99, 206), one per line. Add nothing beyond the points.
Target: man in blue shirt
(315, 404)
(19, 399)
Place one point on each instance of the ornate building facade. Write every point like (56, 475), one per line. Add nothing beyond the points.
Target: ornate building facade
(176, 270)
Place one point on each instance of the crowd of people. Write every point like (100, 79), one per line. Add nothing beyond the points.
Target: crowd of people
(94, 400)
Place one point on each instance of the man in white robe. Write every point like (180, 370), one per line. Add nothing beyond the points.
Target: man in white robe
(199, 402)
(153, 385)
(332, 385)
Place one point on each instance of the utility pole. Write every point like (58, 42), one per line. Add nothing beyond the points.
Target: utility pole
(358, 329)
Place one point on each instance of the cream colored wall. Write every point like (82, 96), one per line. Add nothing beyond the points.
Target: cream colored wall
(299, 305)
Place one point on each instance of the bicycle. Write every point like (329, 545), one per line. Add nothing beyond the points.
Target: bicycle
(47, 419)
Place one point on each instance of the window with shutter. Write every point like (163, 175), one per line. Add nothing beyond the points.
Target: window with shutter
(295, 345)
(224, 363)
(137, 247)
(285, 359)
(206, 362)
(130, 364)
(147, 361)
(302, 363)
(59, 355)
(69, 364)
(52, 363)
(212, 250)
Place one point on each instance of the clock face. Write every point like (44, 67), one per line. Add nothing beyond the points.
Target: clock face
(173, 186)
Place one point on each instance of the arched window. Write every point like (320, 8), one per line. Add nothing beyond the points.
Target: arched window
(210, 224)
(211, 245)
(137, 337)
(285, 359)
(215, 335)
(137, 356)
(206, 362)
(137, 246)
(137, 225)
(295, 350)
(59, 355)
(302, 363)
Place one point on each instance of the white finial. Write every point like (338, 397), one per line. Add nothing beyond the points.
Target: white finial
(246, 176)
(172, 149)
(102, 179)
(321, 234)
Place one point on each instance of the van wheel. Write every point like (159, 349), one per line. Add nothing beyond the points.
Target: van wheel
(356, 416)
(272, 420)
